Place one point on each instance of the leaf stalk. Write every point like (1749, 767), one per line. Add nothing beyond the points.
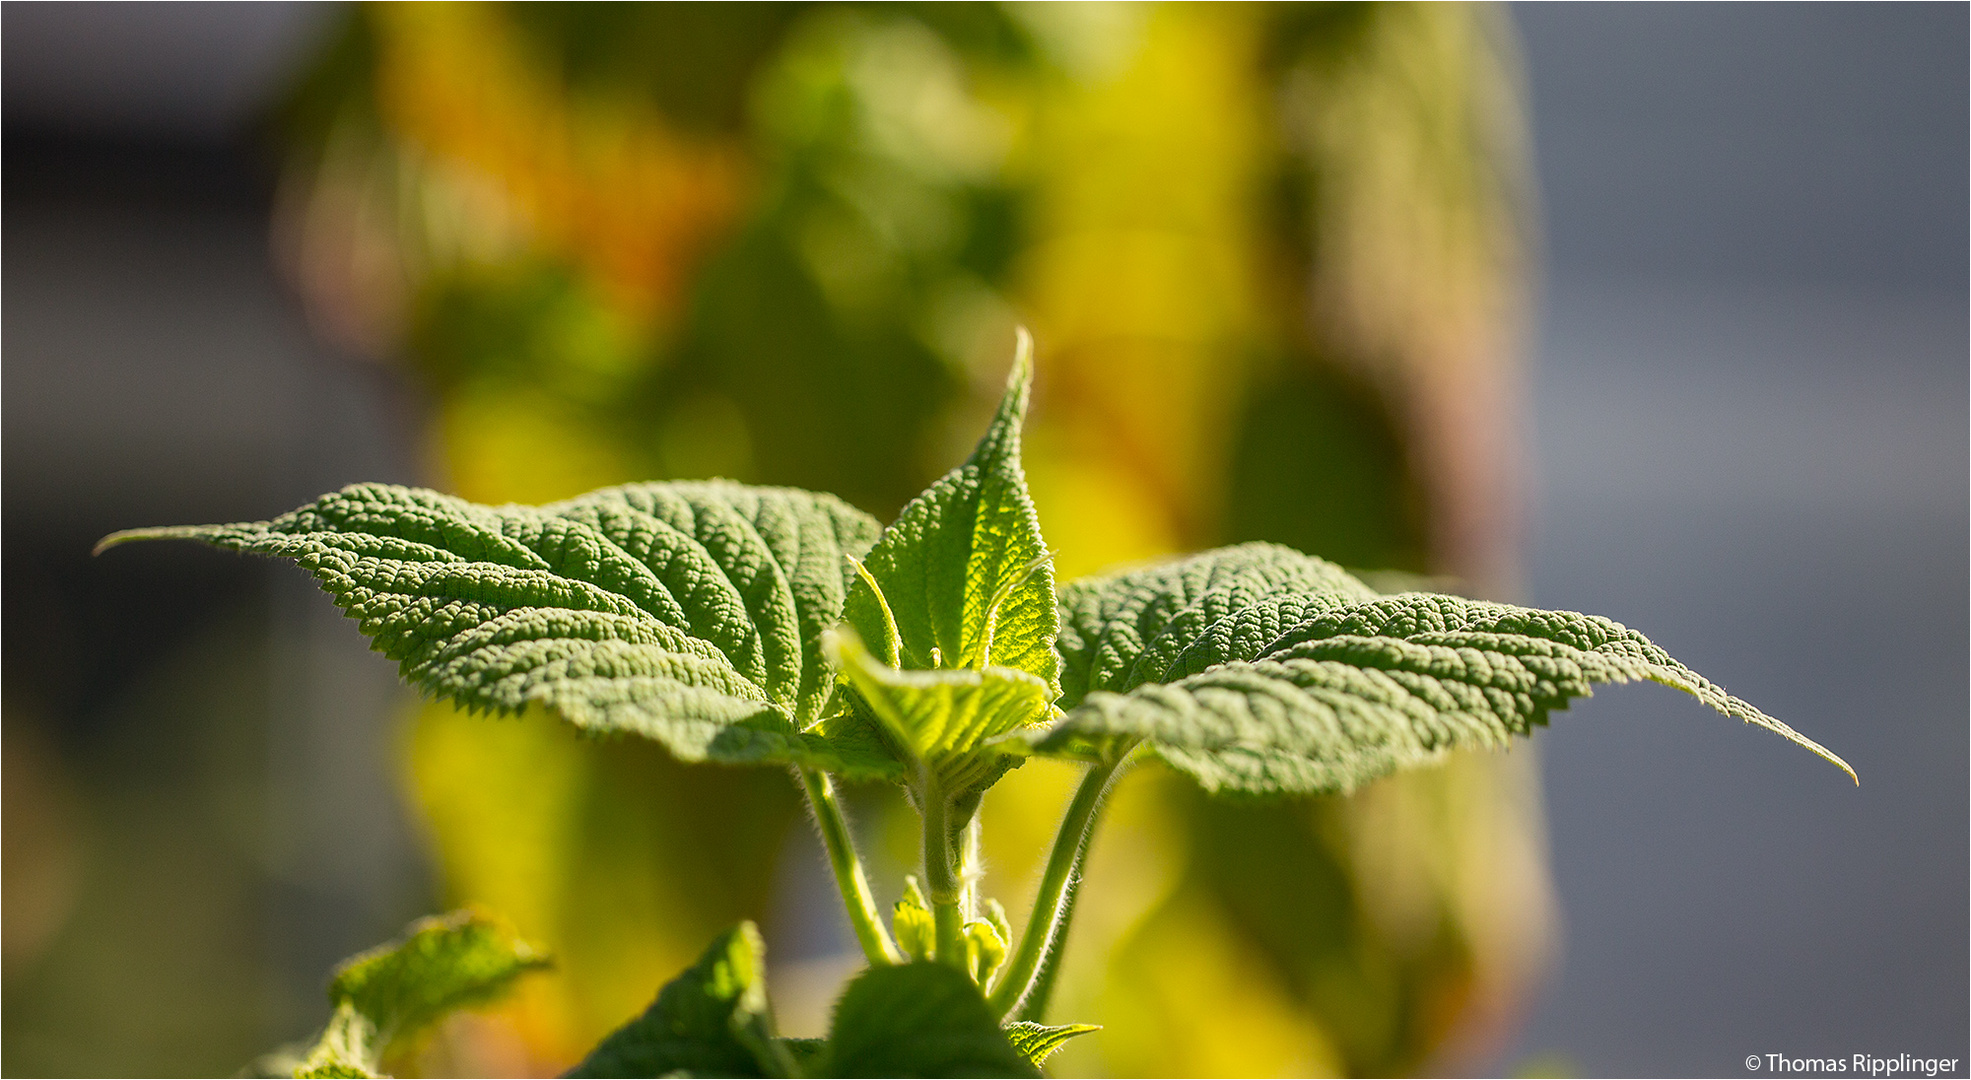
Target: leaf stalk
(849, 878)
(1047, 923)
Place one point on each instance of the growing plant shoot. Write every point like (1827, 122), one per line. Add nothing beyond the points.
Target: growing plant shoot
(761, 626)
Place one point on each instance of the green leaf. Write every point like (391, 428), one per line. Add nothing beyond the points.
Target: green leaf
(805, 1053)
(944, 718)
(393, 991)
(687, 612)
(1121, 630)
(963, 575)
(1039, 1041)
(713, 1020)
(921, 1019)
(1259, 669)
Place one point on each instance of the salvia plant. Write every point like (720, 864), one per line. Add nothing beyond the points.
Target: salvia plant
(747, 625)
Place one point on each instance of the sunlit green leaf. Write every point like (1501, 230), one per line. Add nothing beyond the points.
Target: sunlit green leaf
(1259, 669)
(963, 573)
(1120, 631)
(687, 612)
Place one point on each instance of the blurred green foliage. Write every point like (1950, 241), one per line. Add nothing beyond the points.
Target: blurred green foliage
(1271, 258)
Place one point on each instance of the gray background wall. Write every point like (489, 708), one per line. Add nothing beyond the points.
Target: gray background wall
(1749, 406)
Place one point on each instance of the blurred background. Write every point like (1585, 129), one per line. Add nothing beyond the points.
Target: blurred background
(1654, 312)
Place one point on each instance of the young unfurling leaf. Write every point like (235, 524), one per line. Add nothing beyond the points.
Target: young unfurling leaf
(986, 942)
(911, 921)
(942, 718)
(1259, 669)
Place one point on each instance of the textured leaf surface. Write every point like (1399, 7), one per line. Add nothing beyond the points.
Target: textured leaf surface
(1122, 630)
(920, 1019)
(964, 570)
(713, 1020)
(942, 717)
(440, 964)
(687, 612)
(1256, 668)
(1039, 1041)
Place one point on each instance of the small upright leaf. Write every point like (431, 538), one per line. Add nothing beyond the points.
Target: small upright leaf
(986, 941)
(921, 1019)
(691, 613)
(912, 923)
(963, 573)
(395, 990)
(1039, 1041)
(713, 1020)
(1260, 669)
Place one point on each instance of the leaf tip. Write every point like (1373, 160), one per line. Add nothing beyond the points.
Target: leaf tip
(126, 536)
(1019, 385)
(1762, 720)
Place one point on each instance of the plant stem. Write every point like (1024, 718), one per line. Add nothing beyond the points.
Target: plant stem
(835, 836)
(941, 879)
(1047, 924)
(971, 867)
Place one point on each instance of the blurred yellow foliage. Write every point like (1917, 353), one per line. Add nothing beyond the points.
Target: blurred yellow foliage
(603, 181)
(1226, 224)
(1141, 282)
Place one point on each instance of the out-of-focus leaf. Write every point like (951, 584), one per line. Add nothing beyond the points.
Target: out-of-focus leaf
(713, 1020)
(623, 860)
(1317, 464)
(391, 992)
(805, 1052)
(918, 1019)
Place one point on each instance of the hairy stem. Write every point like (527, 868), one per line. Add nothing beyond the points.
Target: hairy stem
(941, 879)
(971, 867)
(1047, 924)
(834, 826)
